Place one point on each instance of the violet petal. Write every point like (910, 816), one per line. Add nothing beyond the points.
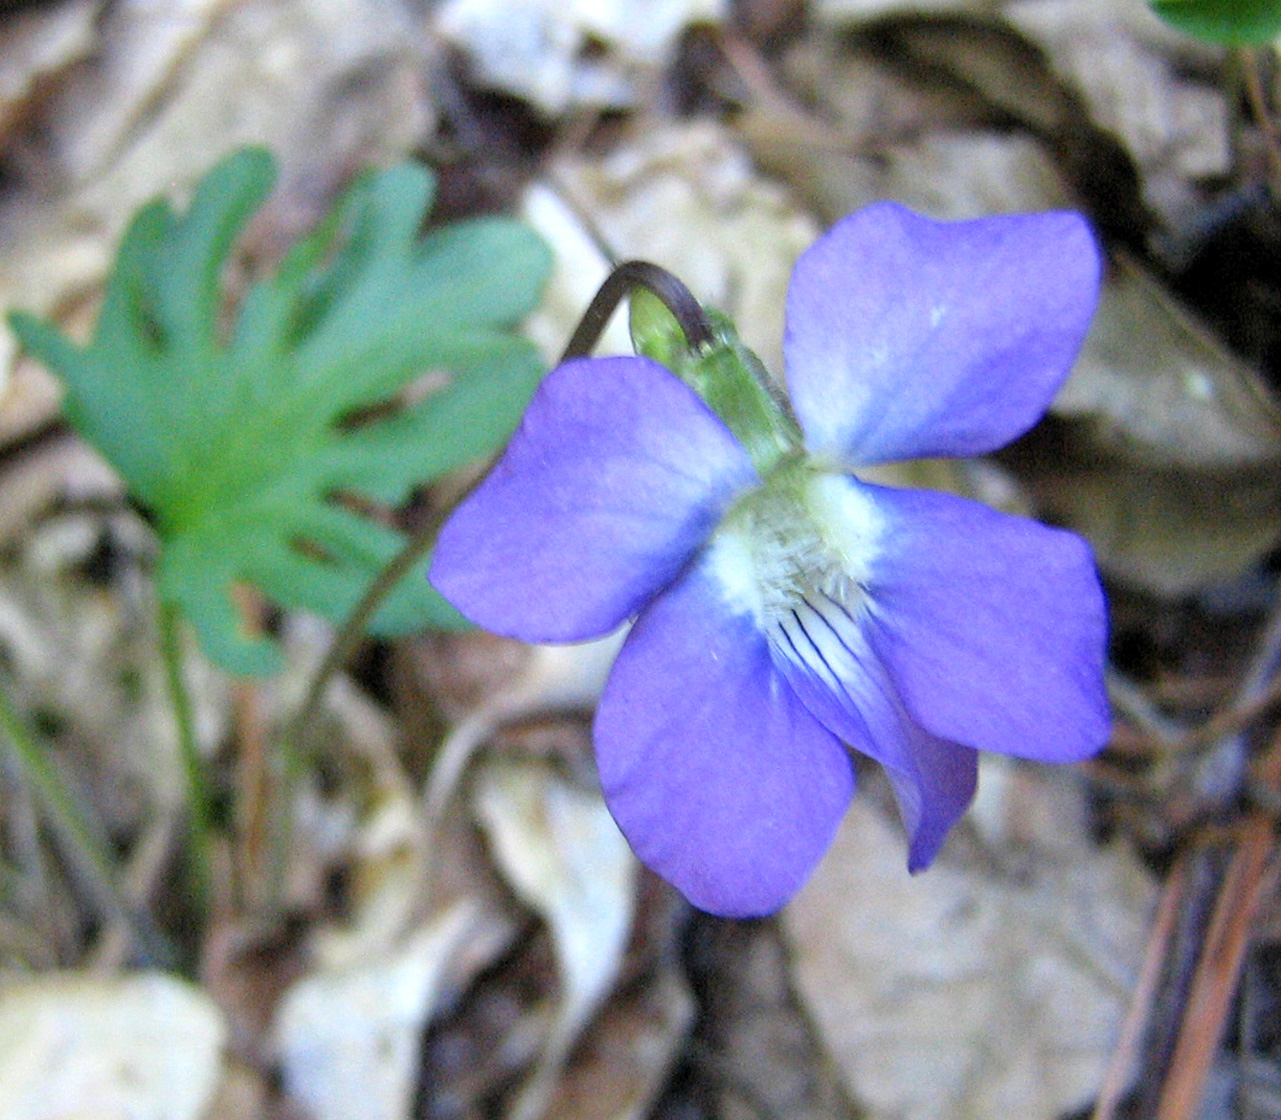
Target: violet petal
(615, 476)
(715, 771)
(910, 338)
(992, 627)
(822, 650)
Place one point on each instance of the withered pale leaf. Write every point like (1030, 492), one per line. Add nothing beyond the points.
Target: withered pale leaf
(539, 49)
(846, 11)
(1172, 463)
(626, 1057)
(85, 1046)
(90, 656)
(550, 679)
(1167, 531)
(1158, 388)
(563, 855)
(884, 130)
(36, 45)
(139, 51)
(328, 85)
(1155, 89)
(348, 1039)
(686, 197)
(977, 989)
(958, 174)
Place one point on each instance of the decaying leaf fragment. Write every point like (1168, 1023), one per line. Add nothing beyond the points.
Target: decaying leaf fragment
(1152, 383)
(327, 85)
(75, 1045)
(36, 46)
(1172, 463)
(626, 1057)
(564, 856)
(971, 991)
(348, 1038)
(559, 54)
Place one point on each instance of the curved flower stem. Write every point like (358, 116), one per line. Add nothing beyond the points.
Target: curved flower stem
(86, 848)
(200, 821)
(293, 754)
(677, 298)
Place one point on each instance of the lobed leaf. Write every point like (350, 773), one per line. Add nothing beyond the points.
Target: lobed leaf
(1233, 22)
(243, 439)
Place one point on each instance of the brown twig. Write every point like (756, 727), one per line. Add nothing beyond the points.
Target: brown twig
(1154, 958)
(1214, 984)
(253, 767)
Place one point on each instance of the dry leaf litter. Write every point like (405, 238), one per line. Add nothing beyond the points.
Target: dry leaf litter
(467, 934)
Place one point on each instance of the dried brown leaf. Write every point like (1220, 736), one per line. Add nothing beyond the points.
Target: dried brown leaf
(626, 1057)
(349, 1038)
(1168, 532)
(755, 1051)
(1172, 463)
(1157, 388)
(564, 856)
(686, 198)
(1154, 89)
(560, 55)
(84, 1046)
(328, 85)
(879, 130)
(35, 46)
(981, 988)
(139, 52)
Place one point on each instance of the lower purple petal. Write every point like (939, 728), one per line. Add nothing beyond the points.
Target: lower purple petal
(822, 650)
(934, 794)
(718, 775)
(993, 628)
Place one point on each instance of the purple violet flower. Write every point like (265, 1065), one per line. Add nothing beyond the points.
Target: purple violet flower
(783, 608)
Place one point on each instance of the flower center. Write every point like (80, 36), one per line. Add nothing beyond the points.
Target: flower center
(804, 540)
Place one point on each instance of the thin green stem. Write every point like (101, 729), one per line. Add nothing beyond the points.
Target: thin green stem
(294, 756)
(199, 798)
(86, 848)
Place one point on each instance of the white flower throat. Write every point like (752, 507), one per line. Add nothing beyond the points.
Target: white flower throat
(805, 538)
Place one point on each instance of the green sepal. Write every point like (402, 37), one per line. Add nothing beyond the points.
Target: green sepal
(739, 389)
(655, 331)
(730, 378)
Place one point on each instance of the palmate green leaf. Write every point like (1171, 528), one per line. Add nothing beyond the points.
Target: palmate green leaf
(244, 442)
(1234, 22)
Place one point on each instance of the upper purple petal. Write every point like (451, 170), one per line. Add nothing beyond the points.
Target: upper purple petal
(614, 478)
(717, 774)
(823, 652)
(993, 628)
(909, 338)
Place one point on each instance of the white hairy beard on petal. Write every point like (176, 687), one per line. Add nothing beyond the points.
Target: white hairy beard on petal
(806, 540)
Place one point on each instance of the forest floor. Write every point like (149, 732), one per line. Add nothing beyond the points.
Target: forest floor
(460, 932)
